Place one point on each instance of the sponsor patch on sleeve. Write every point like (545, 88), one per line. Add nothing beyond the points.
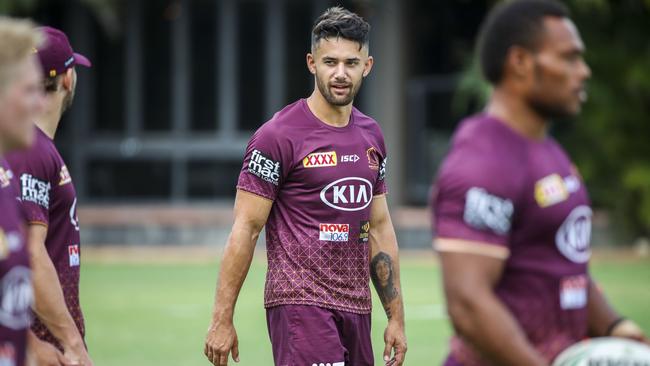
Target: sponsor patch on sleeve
(487, 211)
(364, 231)
(382, 169)
(35, 190)
(264, 167)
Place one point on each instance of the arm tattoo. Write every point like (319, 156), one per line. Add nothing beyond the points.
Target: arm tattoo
(381, 273)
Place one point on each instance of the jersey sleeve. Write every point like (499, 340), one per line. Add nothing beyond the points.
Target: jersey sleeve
(380, 186)
(474, 202)
(35, 181)
(266, 163)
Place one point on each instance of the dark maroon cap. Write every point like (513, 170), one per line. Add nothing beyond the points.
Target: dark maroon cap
(56, 54)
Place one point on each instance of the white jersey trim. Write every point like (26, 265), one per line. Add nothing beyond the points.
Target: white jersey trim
(471, 247)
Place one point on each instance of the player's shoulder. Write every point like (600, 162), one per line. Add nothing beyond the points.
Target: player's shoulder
(364, 121)
(484, 155)
(285, 123)
(41, 158)
(485, 138)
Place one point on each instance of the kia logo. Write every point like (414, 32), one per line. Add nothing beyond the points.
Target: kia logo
(347, 194)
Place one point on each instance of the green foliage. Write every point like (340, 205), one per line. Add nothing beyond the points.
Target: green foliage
(610, 140)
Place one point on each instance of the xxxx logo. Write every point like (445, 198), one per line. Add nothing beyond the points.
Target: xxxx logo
(321, 159)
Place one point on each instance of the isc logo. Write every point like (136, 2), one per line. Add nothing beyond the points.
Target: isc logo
(347, 194)
(350, 158)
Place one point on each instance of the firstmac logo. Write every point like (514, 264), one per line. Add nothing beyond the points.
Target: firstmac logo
(320, 159)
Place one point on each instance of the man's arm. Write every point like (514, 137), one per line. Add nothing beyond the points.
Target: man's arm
(384, 271)
(49, 303)
(251, 212)
(478, 315)
(604, 321)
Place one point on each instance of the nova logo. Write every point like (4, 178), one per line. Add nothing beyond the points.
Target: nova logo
(334, 232)
(321, 159)
(73, 254)
(347, 194)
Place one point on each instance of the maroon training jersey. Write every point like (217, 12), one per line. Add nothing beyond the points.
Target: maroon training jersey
(15, 276)
(498, 189)
(322, 180)
(49, 198)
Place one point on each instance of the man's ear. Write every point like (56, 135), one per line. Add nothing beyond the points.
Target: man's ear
(519, 62)
(368, 66)
(311, 63)
(68, 80)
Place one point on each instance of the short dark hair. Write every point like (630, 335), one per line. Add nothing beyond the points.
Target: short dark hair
(337, 22)
(513, 23)
(51, 84)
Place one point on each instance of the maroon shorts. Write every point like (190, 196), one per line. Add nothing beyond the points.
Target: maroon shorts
(304, 335)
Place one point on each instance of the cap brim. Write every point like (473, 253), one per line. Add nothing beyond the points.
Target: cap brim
(82, 60)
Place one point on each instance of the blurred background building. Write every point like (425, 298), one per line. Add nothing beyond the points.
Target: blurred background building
(178, 87)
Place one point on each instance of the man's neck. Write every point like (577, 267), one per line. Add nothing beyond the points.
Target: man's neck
(331, 115)
(517, 114)
(49, 121)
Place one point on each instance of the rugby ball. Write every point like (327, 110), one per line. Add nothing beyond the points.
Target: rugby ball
(605, 351)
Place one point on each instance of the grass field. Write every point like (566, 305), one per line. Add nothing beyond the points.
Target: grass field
(146, 313)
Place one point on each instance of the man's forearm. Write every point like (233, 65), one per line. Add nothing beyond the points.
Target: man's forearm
(236, 262)
(49, 304)
(486, 323)
(387, 284)
(601, 315)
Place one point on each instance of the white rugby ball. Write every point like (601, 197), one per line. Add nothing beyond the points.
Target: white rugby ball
(605, 351)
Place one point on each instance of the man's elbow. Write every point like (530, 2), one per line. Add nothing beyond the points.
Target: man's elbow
(462, 307)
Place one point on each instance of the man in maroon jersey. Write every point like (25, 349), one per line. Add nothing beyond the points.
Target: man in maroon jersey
(21, 101)
(512, 215)
(49, 201)
(315, 176)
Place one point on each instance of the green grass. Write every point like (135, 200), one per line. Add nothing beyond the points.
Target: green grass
(140, 315)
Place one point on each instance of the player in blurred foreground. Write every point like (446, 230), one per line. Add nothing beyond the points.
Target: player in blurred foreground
(512, 216)
(314, 175)
(49, 201)
(21, 101)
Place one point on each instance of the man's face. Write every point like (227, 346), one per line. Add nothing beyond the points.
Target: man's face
(20, 104)
(557, 86)
(383, 273)
(339, 67)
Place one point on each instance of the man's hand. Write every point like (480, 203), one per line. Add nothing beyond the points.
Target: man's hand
(220, 341)
(44, 354)
(77, 355)
(629, 329)
(395, 341)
